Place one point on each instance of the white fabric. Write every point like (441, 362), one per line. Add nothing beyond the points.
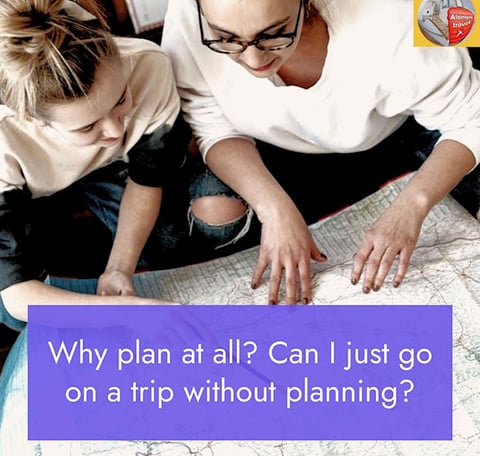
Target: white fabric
(372, 80)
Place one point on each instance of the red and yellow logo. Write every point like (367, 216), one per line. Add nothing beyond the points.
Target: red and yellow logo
(445, 23)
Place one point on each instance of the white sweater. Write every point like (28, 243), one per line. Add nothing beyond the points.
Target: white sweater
(372, 80)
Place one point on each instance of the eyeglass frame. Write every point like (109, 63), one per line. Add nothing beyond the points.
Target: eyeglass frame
(245, 44)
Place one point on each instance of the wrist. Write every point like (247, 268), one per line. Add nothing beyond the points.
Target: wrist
(125, 269)
(419, 202)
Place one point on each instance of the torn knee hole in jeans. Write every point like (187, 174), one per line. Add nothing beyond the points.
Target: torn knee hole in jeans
(248, 215)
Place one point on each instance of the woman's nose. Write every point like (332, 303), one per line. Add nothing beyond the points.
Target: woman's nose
(254, 57)
(113, 126)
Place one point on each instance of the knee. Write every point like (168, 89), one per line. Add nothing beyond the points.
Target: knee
(218, 210)
(219, 221)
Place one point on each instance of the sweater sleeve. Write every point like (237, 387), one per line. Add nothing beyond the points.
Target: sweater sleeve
(191, 62)
(440, 88)
(18, 262)
(155, 158)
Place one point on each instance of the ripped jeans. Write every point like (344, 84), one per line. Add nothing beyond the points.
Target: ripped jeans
(214, 240)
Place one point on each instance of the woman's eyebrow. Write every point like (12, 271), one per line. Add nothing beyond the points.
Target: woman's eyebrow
(276, 24)
(93, 123)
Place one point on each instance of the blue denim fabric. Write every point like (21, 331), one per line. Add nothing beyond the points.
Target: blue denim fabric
(172, 242)
(211, 241)
(205, 183)
(167, 244)
(103, 190)
(8, 320)
(13, 398)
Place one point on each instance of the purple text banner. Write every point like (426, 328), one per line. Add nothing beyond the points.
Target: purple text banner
(241, 372)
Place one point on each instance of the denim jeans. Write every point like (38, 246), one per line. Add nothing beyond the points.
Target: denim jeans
(178, 238)
(168, 242)
(212, 241)
(13, 398)
(8, 320)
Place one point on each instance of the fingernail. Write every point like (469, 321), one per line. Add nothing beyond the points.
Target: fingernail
(305, 300)
(366, 290)
(396, 284)
(254, 285)
(323, 256)
(376, 288)
(354, 281)
(272, 302)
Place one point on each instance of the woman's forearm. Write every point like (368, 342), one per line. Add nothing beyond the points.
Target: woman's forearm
(237, 162)
(441, 172)
(18, 297)
(139, 211)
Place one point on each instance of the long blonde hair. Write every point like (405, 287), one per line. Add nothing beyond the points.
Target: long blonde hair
(49, 52)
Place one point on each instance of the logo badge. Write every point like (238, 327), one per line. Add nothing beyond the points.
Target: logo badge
(446, 22)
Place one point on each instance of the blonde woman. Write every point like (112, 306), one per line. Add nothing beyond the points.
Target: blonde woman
(80, 110)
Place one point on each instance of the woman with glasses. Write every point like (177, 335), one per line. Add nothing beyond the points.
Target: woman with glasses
(323, 101)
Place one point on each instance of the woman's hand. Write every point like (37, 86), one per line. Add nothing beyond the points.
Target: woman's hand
(115, 283)
(394, 233)
(287, 247)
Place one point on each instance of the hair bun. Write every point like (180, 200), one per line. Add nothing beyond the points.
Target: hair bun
(40, 20)
(49, 51)
(23, 19)
(28, 28)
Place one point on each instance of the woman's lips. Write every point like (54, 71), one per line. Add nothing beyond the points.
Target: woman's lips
(263, 67)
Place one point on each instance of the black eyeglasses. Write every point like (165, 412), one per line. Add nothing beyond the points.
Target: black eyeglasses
(236, 46)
